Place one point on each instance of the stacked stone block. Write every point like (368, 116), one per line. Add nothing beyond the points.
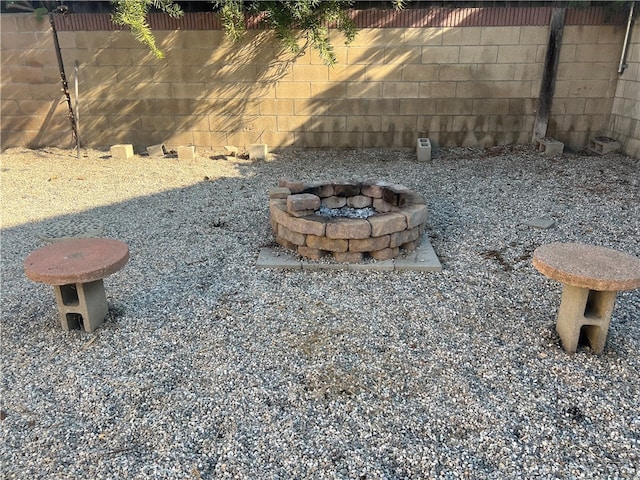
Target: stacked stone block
(398, 223)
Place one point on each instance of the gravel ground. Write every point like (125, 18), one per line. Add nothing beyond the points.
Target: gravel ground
(209, 368)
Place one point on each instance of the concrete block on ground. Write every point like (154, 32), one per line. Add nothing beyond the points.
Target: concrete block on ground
(187, 152)
(423, 149)
(424, 259)
(542, 223)
(270, 258)
(231, 150)
(157, 150)
(603, 145)
(258, 151)
(122, 151)
(550, 147)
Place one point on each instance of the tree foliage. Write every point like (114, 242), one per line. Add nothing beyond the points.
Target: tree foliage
(133, 13)
(289, 19)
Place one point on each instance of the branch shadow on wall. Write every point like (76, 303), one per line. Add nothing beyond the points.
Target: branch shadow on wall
(218, 94)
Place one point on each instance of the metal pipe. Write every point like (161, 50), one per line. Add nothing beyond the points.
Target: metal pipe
(63, 78)
(623, 57)
(77, 102)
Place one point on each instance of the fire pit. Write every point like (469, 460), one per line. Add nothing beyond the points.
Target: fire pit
(346, 219)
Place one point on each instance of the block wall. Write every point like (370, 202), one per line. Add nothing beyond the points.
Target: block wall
(32, 109)
(460, 86)
(624, 124)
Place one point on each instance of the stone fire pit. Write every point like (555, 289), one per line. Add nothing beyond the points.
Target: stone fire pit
(308, 218)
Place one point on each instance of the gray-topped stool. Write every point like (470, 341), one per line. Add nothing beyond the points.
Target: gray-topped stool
(591, 277)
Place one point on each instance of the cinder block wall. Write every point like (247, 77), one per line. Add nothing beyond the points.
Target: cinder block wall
(31, 108)
(625, 119)
(472, 85)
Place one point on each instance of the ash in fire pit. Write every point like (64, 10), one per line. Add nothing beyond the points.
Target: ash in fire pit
(346, 212)
(348, 220)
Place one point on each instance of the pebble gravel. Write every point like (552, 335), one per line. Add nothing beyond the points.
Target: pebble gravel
(208, 368)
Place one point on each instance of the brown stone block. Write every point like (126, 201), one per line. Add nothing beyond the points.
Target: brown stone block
(311, 253)
(415, 215)
(320, 189)
(385, 253)
(370, 244)
(309, 224)
(385, 223)
(329, 244)
(294, 186)
(302, 201)
(359, 201)
(348, 228)
(293, 237)
(382, 206)
(348, 257)
(279, 193)
(301, 213)
(334, 202)
(390, 196)
(346, 189)
(278, 209)
(372, 190)
(400, 238)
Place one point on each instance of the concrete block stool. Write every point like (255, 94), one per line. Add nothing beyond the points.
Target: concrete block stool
(76, 268)
(591, 277)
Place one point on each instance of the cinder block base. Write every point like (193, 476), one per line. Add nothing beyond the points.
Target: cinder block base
(187, 153)
(258, 151)
(603, 145)
(157, 150)
(584, 311)
(122, 152)
(81, 305)
(423, 149)
(550, 147)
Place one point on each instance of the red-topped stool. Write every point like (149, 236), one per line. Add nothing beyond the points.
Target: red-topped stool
(591, 277)
(76, 268)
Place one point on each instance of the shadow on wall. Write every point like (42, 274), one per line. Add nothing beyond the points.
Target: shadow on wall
(385, 91)
(205, 92)
(34, 112)
(389, 95)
